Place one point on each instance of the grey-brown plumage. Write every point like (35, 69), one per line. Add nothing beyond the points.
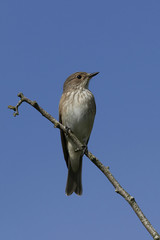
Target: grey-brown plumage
(77, 110)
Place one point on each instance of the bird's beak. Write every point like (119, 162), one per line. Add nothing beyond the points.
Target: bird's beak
(93, 74)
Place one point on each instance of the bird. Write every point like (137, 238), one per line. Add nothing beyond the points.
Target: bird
(77, 109)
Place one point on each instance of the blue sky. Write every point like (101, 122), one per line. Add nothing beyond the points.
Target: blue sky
(41, 44)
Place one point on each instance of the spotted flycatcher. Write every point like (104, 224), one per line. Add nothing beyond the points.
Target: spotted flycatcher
(77, 110)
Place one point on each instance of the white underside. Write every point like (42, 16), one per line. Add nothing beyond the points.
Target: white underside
(79, 117)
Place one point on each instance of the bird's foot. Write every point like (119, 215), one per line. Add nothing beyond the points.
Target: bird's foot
(83, 148)
(68, 130)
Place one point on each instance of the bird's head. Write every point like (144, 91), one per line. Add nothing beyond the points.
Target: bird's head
(78, 80)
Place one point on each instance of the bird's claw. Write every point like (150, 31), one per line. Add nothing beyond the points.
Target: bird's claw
(83, 148)
(67, 131)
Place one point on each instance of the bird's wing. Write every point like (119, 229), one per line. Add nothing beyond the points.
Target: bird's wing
(64, 143)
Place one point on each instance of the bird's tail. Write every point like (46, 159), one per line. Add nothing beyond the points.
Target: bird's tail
(74, 182)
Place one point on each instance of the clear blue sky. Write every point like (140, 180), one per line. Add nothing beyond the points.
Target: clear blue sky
(41, 44)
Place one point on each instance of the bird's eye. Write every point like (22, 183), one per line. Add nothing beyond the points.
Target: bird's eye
(79, 76)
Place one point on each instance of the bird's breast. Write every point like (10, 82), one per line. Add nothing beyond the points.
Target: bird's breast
(79, 109)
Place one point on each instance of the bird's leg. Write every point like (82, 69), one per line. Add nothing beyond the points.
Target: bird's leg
(83, 147)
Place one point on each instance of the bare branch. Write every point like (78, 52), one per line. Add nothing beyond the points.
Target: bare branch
(118, 188)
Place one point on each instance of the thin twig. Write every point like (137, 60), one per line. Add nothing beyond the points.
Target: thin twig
(118, 188)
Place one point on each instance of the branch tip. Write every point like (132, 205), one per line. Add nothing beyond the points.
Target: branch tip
(20, 95)
(15, 109)
(15, 113)
(12, 107)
